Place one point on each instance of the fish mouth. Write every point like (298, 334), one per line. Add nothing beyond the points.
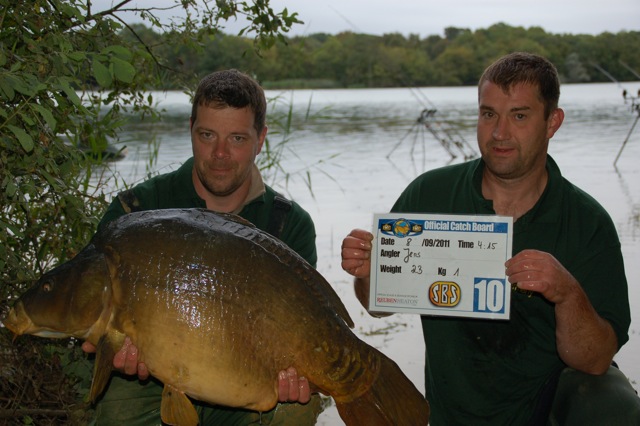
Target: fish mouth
(18, 322)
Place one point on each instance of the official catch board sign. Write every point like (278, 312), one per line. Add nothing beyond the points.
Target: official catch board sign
(449, 265)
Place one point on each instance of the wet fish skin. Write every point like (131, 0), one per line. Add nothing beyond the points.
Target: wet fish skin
(236, 304)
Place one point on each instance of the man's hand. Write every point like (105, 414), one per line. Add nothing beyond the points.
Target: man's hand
(540, 272)
(292, 388)
(356, 260)
(585, 341)
(356, 253)
(125, 360)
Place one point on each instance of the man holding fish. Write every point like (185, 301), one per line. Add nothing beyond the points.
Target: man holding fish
(228, 130)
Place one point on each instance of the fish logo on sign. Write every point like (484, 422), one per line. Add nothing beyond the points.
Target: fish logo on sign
(445, 294)
(401, 228)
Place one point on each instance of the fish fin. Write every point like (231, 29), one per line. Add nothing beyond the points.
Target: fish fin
(392, 399)
(176, 408)
(102, 368)
(322, 286)
(232, 218)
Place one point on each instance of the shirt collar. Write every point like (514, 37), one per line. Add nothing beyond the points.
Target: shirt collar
(546, 210)
(540, 211)
(256, 190)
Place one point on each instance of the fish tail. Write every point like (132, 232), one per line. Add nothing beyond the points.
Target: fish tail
(392, 399)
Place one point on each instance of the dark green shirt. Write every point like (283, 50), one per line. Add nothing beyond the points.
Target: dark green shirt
(489, 371)
(176, 190)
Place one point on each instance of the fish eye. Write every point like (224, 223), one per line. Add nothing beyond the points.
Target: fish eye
(47, 286)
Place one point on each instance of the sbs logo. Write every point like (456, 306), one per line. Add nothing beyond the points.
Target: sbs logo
(445, 294)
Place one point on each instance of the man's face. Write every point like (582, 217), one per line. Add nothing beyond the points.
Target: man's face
(225, 145)
(513, 134)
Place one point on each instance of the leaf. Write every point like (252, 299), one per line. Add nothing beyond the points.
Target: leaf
(6, 89)
(14, 229)
(54, 182)
(101, 74)
(11, 189)
(71, 94)
(25, 139)
(71, 12)
(123, 70)
(77, 56)
(47, 115)
(20, 85)
(119, 51)
(25, 83)
(27, 119)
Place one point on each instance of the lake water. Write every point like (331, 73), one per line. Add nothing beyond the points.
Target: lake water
(348, 143)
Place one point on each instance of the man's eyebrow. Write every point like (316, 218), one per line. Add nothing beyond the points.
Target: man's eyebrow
(514, 109)
(209, 129)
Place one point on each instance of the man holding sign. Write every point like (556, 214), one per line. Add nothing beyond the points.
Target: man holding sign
(550, 361)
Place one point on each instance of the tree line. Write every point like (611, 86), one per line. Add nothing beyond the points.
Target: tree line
(352, 60)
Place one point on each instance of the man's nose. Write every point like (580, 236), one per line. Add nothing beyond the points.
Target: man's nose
(221, 149)
(501, 130)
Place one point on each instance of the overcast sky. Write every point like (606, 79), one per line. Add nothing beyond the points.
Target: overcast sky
(431, 17)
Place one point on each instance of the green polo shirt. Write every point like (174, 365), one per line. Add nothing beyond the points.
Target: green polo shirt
(176, 190)
(489, 371)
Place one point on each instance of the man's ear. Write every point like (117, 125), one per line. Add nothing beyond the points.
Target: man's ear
(261, 138)
(555, 121)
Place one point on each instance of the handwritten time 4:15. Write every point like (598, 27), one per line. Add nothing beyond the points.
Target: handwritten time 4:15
(434, 242)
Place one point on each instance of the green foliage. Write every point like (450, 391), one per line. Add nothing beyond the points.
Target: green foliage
(42, 174)
(393, 60)
(70, 76)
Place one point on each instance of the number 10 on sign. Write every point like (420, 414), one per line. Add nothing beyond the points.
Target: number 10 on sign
(489, 295)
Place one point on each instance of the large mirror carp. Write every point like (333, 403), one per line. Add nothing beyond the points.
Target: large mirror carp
(216, 308)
